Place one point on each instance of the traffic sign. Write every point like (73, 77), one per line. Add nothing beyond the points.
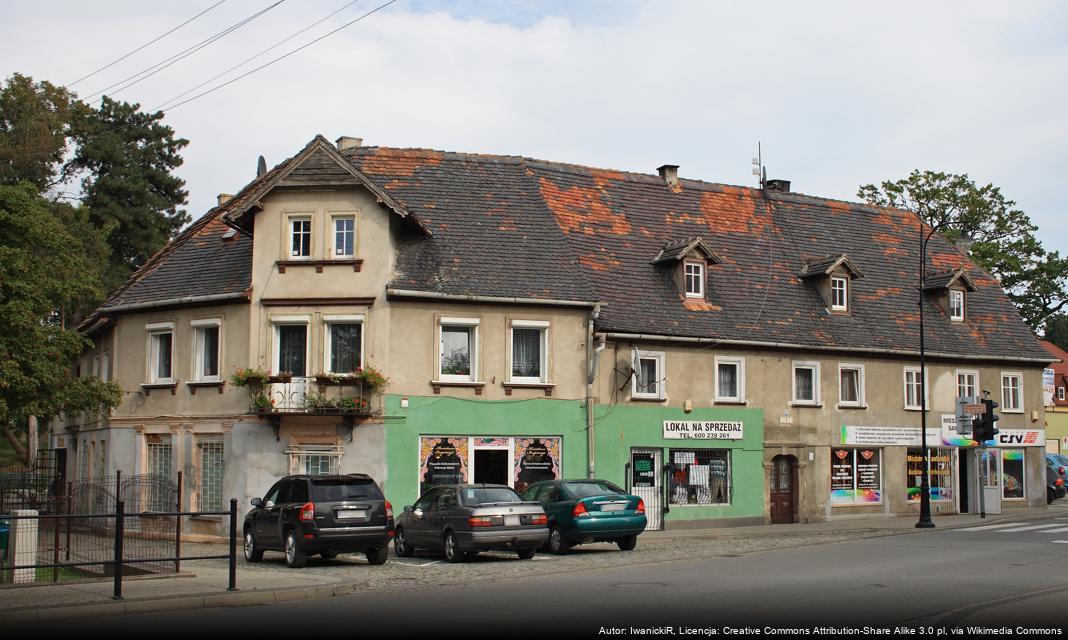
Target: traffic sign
(975, 409)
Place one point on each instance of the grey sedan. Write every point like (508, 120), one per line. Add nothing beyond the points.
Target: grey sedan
(464, 519)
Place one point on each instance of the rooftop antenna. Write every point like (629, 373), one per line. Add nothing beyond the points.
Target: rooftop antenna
(758, 167)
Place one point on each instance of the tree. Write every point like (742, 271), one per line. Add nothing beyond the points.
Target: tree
(1056, 330)
(42, 269)
(1004, 242)
(34, 118)
(131, 195)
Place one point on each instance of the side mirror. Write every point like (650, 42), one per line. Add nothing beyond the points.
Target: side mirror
(407, 509)
(256, 502)
(418, 513)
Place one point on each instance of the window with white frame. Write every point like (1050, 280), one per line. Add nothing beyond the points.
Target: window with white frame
(300, 237)
(1012, 391)
(343, 351)
(206, 349)
(291, 345)
(956, 304)
(1060, 393)
(914, 384)
(344, 236)
(851, 385)
(530, 351)
(160, 352)
(648, 382)
(806, 383)
(210, 491)
(315, 460)
(458, 349)
(695, 280)
(967, 384)
(730, 379)
(839, 293)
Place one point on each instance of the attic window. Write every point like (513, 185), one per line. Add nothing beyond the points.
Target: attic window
(956, 305)
(695, 280)
(839, 294)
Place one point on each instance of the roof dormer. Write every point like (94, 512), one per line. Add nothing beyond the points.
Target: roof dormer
(833, 276)
(689, 258)
(951, 289)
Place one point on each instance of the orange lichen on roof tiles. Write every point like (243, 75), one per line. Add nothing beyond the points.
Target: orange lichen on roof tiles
(839, 206)
(947, 261)
(732, 211)
(582, 210)
(700, 305)
(602, 262)
(886, 238)
(881, 293)
(399, 162)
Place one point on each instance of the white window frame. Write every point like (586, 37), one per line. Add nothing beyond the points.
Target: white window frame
(543, 327)
(699, 279)
(472, 325)
(814, 366)
(204, 441)
(1005, 406)
(276, 351)
(660, 392)
(291, 232)
(154, 330)
(740, 364)
(926, 388)
(334, 217)
(953, 293)
(845, 293)
(861, 400)
(198, 349)
(299, 454)
(1060, 393)
(328, 323)
(975, 385)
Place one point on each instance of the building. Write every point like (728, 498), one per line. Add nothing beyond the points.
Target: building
(733, 355)
(1057, 403)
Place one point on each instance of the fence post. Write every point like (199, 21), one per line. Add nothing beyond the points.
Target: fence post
(178, 529)
(233, 545)
(118, 486)
(55, 537)
(119, 526)
(70, 504)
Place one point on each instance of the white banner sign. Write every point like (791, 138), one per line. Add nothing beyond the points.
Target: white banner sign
(1021, 437)
(889, 436)
(1049, 383)
(690, 430)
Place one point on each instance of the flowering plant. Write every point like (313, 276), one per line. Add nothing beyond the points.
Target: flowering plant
(249, 377)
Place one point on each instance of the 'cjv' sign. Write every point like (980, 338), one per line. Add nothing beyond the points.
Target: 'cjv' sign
(709, 430)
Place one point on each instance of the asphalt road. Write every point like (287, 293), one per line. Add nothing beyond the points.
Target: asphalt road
(1002, 576)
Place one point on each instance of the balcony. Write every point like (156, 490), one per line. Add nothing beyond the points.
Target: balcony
(349, 395)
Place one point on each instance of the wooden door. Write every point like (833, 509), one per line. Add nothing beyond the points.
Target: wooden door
(782, 486)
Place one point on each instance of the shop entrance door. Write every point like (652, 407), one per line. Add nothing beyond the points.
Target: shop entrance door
(783, 490)
(491, 466)
(644, 479)
(990, 472)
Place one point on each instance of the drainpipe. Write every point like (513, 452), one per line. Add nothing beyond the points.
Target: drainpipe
(591, 376)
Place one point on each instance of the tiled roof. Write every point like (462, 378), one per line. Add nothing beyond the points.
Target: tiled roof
(945, 280)
(823, 266)
(676, 250)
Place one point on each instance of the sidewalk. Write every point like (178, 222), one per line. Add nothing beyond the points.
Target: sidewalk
(203, 586)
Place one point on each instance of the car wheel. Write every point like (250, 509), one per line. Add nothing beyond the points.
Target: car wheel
(252, 552)
(377, 555)
(452, 549)
(1050, 496)
(328, 555)
(526, 554)
(401, 546)
(557, 544)
(295, 556)
(628, 543)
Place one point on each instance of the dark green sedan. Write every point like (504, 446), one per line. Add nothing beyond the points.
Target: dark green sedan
(583, 511)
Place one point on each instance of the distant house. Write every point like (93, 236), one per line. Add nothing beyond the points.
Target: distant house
(733, 355)
(1057, 414)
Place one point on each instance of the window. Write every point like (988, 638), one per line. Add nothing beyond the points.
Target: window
(160, 352)
(100, 461)
(956, 304)
(700, 476)
(839, 294)
(344, 236)
(695, 280)
(856, 476)
(851, 385)
(648, 382)
(530, 351)
(458, 355)
(1012, 392)
(206, 350)
(158, 462)
(730, 379)
(940, 464)
(913, 382)
(344, 344)
(210, 491)
(1013, 478)
(1060, 393)
(291, 345)
(967, 384)
(806, 383)
(83, 460)
(105, 366)
(322, 460)
(300, 237)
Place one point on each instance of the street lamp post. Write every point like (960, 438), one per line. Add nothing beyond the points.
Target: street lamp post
(925, 521)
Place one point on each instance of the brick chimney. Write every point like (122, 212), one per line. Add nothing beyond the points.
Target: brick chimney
(224, 198)
(347, 143)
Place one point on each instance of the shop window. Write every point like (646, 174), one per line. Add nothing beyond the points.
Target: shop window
(856, 476)
(730, 379)
(806, 383)
(458, 350)
(1013, 478)
(206, 350)
(443, 460)
(851, 385)
(210, 489)
(530, 341)
(940, 464)
(344, 344)
(700, 476)
(1012, 392)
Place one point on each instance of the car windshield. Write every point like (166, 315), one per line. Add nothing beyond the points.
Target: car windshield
(338, 490)
(588, 489)
(1061, 459)
(474, 496)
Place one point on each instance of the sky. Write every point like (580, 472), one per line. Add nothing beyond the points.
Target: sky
(838, 94)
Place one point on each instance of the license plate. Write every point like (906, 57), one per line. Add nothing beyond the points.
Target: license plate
(351, 513)
(511, 521)
(613, 507)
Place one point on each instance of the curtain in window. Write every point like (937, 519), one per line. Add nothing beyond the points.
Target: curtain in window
(849, 386)
(804, 384)
(647, 377)
(163, 362)
(526, 353)
(292, 349)
(728, 380)
(456, 351)
(344, 347)
(210, 338)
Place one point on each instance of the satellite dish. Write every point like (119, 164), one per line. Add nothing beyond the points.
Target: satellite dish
(261, 167)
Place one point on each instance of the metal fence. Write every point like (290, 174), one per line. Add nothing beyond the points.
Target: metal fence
(39, 487)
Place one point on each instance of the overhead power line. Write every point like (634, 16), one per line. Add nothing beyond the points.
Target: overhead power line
(163, 105)
(150, 42)
(156, 68)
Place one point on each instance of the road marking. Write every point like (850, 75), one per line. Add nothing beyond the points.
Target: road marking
(992, 526)
(1061, 541)
(1030, 528)
(1057, 530)
(418, 564)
